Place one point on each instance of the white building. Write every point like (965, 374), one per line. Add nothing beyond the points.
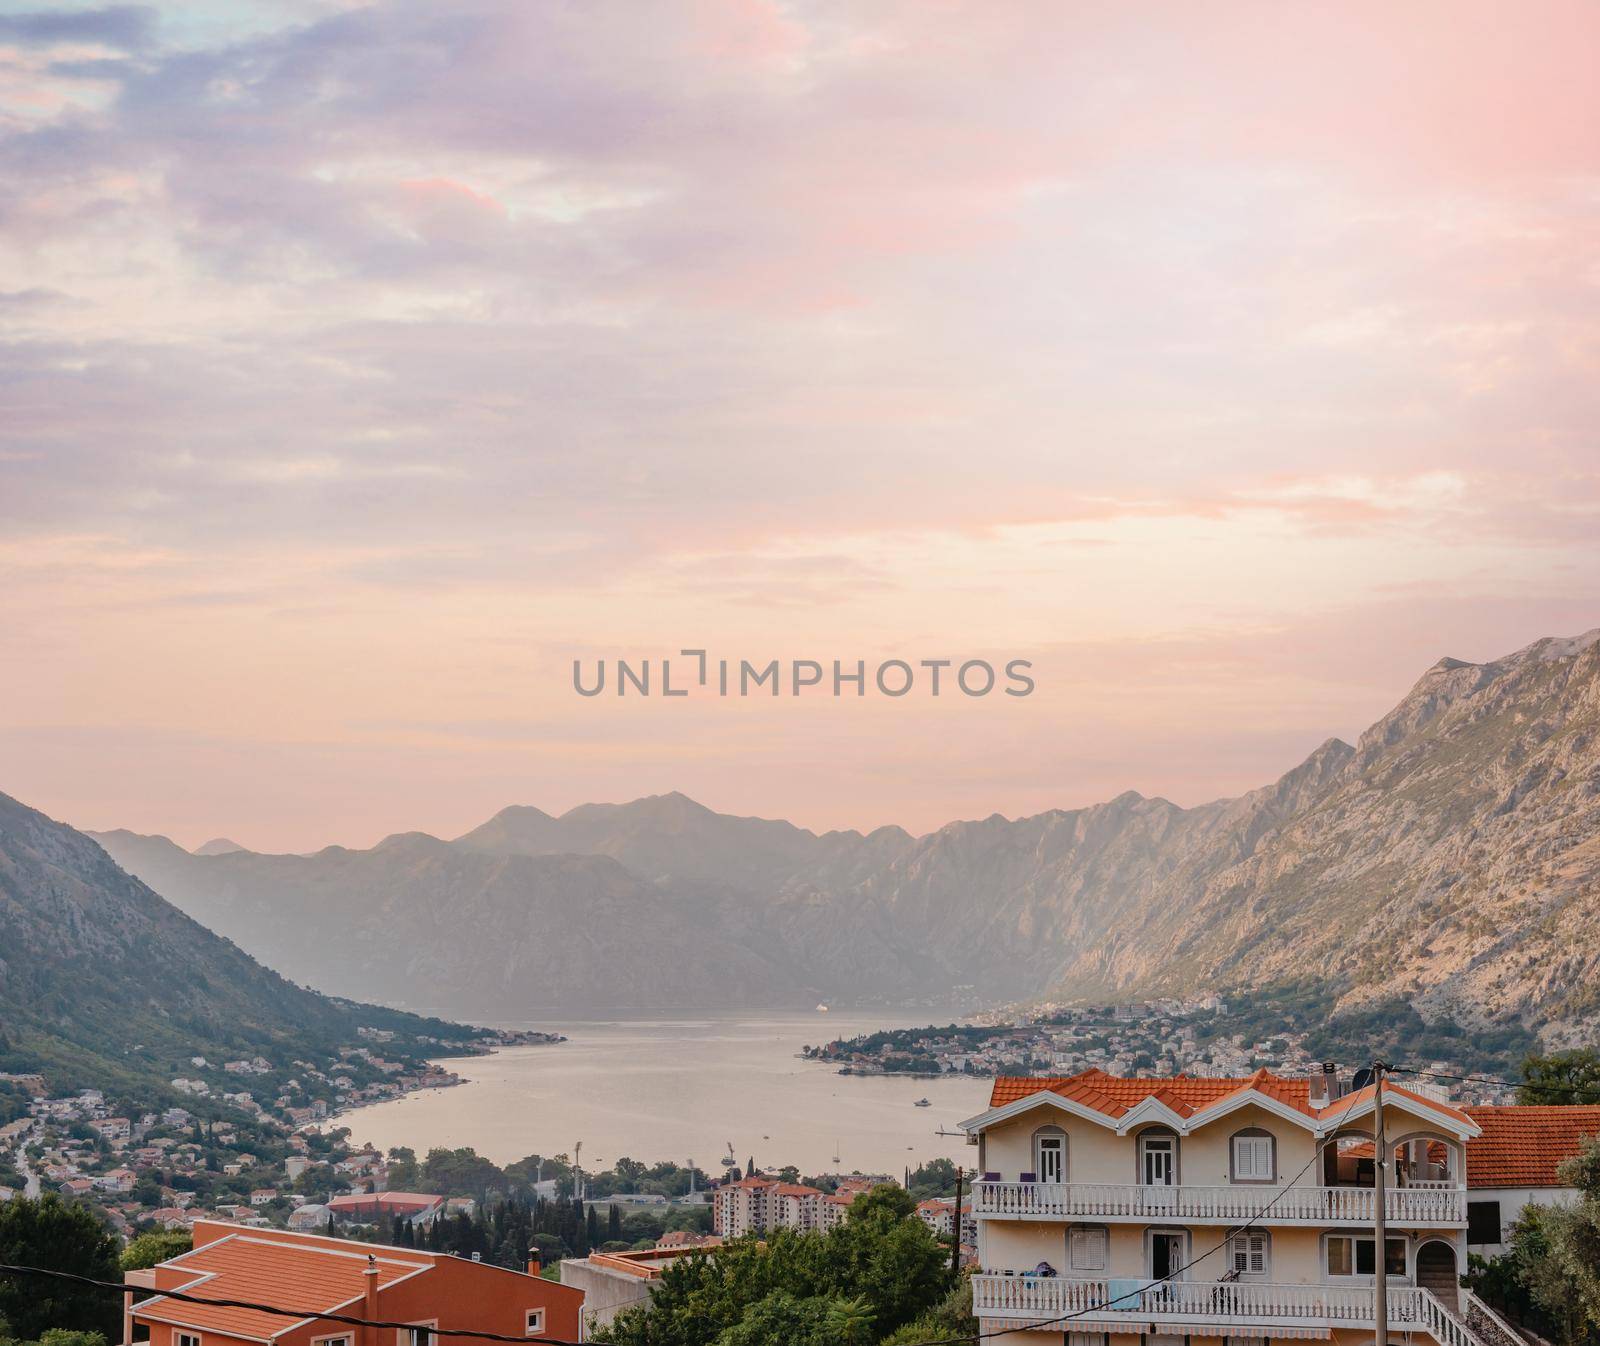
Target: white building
(1108, 1212)
(755, 1205)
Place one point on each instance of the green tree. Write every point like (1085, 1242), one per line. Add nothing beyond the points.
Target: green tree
(65, 1336)
(1562, 1077)
(1556, 1251)
(156, 1246)
(783, 1317)
(53, 1235)
(951, 1319)
(850, 1321)
(874, 1274)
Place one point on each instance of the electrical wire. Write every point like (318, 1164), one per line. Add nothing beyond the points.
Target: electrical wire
(1591, 1090)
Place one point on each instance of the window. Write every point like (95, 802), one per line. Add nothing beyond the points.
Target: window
(535, 1322)
(418, 1334)
(1247, 1253)
(1253, 1157)
(1050, 1155)
(1350, 1255)
(186, 1339)
(1087, 1249)
(1483, 1222)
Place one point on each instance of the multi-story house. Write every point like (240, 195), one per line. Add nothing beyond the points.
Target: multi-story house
(1109, 1211)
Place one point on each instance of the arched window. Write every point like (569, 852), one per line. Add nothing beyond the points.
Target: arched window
(1050, 1154)
(1253, 1155)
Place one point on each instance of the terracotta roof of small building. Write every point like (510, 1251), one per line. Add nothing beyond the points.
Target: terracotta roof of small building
(400, 1201)
(278, 1274)
(1522, 1145)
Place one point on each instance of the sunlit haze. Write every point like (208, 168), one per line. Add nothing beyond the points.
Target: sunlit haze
(366, 365)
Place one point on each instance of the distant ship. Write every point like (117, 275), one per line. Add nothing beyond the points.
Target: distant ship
(822, 1009)
(922, 1103)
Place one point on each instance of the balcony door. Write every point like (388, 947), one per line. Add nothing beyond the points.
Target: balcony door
(1167, 1255)
(1050, 1157)
(1158, 1161)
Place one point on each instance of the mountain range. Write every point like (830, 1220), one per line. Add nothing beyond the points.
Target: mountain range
(103, 983)
(1449, 857)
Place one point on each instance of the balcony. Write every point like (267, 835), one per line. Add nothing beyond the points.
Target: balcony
(1209, 1308)
(1429, 1207)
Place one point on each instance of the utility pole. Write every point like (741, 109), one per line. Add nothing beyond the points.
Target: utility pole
(1380, 1158)
(955, 1228)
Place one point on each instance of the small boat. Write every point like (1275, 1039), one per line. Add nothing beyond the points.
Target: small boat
(922, 1103)
(822, 1009)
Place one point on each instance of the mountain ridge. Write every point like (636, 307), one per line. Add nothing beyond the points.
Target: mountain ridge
(104, 983)
(1344, 867)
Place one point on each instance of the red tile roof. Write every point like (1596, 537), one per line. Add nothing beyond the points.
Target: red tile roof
(405, 1203)
(1115, 1095)
(1186, 1095)
(279, 1274)
(1521, 1146)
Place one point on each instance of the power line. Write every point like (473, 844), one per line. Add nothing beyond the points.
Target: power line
(1591, 1090)
(346, 1320)
(1227, 1238)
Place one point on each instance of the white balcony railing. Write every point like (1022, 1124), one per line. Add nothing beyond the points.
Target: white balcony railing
(1414, 1206)
(1211, 1304)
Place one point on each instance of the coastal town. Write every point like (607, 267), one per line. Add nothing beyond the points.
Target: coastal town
(1197, 1036)
(253, 1141)
(1044, 1220)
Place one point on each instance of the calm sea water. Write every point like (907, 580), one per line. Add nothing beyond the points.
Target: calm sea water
(683, 1088)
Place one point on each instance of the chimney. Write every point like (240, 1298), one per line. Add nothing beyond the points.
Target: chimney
(1330, 1080)
(533, 1261)
(370, 1299)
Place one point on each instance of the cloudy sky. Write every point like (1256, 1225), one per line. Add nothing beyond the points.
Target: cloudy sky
(365, 364)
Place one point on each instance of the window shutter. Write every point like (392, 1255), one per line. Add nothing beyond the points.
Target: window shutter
(1089, 1249)
(1252, 1158)
(1249, 1254)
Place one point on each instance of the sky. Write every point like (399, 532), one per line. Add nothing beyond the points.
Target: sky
(362, 366)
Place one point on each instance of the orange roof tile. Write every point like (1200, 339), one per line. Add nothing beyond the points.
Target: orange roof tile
(1115, 1095)
(1350, 1102)
(1522, 1145)
(271, 1272)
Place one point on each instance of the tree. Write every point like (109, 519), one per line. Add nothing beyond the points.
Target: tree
(874, 1274)
(1556, 1250)
(156, 1246)
(850, 1321)
(53, 1235)
(1562, 1077)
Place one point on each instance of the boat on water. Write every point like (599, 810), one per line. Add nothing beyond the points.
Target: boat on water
(922, 1103)
(822, 1009)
